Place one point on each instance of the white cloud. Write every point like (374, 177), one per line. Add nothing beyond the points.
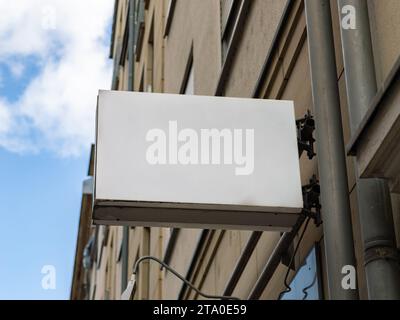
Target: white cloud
(69, 40)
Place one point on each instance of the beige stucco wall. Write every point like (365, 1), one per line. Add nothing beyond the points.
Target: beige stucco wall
(195, 30)
(258, 33)
(195, 25)
(385, 30)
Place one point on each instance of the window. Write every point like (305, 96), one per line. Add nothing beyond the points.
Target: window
(229, 16)
(169, 14)
(306, 284)
(189, 89)
(150, 60)
(187, 86)
(139, 28)
(141, 84)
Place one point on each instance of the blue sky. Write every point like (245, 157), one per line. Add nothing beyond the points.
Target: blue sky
(13, 85)
(39, 203)
(53, 60)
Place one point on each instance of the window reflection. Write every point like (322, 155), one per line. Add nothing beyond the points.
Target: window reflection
(306, 283)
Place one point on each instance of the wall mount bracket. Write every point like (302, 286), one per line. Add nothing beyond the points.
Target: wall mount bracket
(312, 205)
(312, 209)
(305, 140)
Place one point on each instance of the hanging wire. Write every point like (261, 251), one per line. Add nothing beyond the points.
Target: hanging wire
(208, 296)
(309, 286)
(285, 282)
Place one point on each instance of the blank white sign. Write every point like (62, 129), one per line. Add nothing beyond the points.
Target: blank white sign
(196, 161)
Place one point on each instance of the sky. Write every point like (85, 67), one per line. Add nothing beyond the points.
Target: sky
(53, 61)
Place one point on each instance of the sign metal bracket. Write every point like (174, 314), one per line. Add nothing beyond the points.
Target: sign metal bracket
(305, 140)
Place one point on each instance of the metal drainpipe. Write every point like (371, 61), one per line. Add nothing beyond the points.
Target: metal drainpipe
(131, 72)
(375, 210)
(336, 214)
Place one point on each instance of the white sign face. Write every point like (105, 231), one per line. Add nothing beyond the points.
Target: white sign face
(196, 161)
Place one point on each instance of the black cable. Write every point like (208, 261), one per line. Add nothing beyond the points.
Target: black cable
(309, 286)
(288, 288)
(208, 296)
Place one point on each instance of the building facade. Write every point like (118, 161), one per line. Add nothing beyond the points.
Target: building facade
(261, 49)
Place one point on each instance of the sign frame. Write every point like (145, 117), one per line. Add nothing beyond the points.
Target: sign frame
(155, 212)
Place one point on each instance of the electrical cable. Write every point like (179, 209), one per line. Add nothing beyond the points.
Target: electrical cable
(288, 288)
(208, 296)
(309, 286)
